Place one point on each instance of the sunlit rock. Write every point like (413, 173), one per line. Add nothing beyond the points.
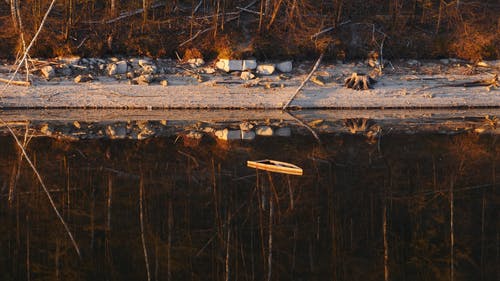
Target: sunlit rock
(247, 75)
(48, 72)
(196, 62)
(285, 66)
(83, 78)
(120, 67)
(229, 65)
(266, 69)
(249, 64)
(264, 131)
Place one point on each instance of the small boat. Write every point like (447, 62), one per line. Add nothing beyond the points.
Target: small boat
(275, 166)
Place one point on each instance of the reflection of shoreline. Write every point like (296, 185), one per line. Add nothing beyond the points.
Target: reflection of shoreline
(86, 123)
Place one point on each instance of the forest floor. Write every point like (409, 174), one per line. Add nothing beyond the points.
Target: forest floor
(401, 84)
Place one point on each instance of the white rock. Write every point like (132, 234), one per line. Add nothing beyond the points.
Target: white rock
(144, 62)
(285, 66)
(284, 132)
(83, 78)
(196, 62)
(247, 135)
(264, 131)
(144, 79)
(120, 67)
(228, 134)
(229, 65)
(48, 72)
(249, 64)
(247, 75)
(266, 69)
(149, 69)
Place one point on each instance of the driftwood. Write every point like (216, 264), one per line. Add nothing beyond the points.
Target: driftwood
(15, 82)
(493, 82)
(304, 82)
(359, 82)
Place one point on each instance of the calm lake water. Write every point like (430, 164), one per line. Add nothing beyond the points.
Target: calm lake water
(409, 207)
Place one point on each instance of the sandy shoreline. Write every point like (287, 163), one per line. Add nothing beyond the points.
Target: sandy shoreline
(429, 85)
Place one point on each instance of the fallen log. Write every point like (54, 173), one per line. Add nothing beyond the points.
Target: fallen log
(15, 82)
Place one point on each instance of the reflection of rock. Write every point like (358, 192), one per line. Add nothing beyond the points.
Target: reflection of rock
(264, 131)
(228, 134)
(46, 130)
(116, 131)
(283, 132)
(246, 126)
(247, 135)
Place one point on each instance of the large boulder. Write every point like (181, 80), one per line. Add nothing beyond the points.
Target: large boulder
(285, 66)
(48, 72)
(228, 65)
(266, 69)
(120, 67)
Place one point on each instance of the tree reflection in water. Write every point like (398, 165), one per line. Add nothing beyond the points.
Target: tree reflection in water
(361, 211)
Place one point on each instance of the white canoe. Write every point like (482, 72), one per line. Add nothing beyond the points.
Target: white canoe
(276, 167)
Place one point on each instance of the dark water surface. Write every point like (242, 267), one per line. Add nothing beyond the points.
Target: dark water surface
(409, 206)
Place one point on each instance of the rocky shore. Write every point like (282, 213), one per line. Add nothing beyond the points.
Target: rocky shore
(76, 82)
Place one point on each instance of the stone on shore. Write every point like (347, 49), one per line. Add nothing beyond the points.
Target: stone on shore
(266, 69)
(247, 75)
(228, 65)
(48, 72)
(120, 67)
(83, 78)
(194, 63)
(285, 66)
